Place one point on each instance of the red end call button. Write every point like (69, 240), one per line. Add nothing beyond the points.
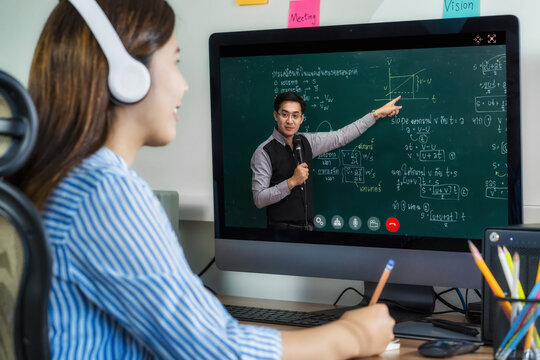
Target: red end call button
(392, 224)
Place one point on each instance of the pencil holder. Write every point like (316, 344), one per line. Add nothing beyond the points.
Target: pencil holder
(510, 338)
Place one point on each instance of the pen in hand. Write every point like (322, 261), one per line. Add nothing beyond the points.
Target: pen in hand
(382, 282)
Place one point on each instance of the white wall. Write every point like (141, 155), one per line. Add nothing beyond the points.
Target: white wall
(185, 165)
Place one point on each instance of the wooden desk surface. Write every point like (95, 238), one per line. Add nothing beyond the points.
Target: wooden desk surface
(408, 348)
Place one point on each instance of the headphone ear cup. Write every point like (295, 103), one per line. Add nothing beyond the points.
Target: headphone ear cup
(129, 80)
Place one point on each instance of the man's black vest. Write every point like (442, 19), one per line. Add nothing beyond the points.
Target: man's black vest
(293, 208)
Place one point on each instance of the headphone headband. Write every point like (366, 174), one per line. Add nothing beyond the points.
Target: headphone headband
(129, 79)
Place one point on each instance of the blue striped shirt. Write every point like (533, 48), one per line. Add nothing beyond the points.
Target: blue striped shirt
(121, 287)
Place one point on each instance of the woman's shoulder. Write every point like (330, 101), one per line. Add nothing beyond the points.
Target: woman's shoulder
(99, 180)
(102, 165)
(104, 162)
(103, 169)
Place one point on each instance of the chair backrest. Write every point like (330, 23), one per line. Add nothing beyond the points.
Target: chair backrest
(11, 267)
(25, 260)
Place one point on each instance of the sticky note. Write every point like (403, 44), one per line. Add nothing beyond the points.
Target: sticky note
(304, 13)
(460, 8)
(251, 2)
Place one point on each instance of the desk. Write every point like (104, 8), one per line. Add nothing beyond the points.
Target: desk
(408, 349)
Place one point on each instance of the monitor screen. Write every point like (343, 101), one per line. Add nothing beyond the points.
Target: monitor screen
(414, 187)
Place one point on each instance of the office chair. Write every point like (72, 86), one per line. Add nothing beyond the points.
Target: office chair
(25, 260)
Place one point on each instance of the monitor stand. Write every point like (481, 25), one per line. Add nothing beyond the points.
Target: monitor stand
(405, 302)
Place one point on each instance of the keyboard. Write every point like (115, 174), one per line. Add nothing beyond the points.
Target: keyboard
(302, 318)
(282, 317)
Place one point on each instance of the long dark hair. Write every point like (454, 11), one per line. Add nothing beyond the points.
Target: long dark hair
(68, 83)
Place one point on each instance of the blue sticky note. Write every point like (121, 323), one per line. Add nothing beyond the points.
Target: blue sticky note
(460, 8)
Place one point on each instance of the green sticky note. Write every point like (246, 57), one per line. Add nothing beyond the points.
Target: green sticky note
(460, 8)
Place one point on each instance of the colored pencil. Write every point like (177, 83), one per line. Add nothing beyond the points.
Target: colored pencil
(528, 339)
(505, 267)
(382, 281)
(514, 288)
(511, 265)
(494, 286)
(524, 319)
(520, 292)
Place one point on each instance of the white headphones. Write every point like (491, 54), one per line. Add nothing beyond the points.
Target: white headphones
(129, 79)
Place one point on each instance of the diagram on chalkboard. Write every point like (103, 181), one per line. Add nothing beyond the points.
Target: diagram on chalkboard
(409, 86)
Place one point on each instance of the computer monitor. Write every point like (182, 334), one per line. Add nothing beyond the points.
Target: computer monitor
(415, 187)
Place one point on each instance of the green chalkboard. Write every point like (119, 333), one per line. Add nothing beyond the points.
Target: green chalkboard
(439, 167)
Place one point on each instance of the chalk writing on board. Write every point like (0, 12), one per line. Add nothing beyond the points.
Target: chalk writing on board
(492, 65)
(305, 82)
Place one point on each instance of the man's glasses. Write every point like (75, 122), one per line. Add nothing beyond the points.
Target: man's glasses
(285, 115)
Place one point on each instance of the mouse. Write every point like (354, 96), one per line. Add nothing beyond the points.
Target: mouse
(447, 348)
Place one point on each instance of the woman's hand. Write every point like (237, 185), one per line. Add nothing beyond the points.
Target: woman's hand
(372, 327)
(358, 333)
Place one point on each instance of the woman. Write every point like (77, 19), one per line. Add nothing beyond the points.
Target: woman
(121, 286)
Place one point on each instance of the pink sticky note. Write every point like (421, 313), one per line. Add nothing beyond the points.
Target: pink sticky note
(304, 13)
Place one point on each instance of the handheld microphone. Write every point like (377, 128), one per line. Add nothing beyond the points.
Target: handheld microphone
(300, 158)
(298, 154)
(298, 150)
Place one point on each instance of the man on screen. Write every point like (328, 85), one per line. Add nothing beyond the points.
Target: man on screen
(282, 163)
